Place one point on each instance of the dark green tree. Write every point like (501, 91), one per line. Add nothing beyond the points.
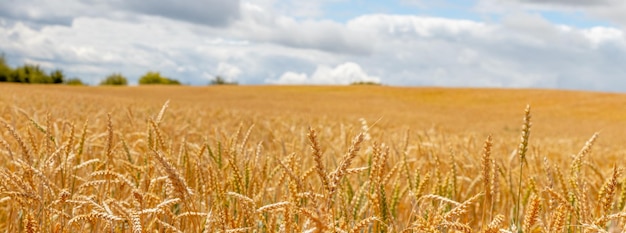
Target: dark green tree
(18, 75)
(74, 82)
(116, 79)
(156, 78)
(5, 69)
(173, 82)
(29, 74)
(150, 78)
(57, 76)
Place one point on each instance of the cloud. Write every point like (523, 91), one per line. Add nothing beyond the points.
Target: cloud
(93, 47)
(292, 78)
(523, 51)
(300, 9)
(228, 71)
(345, 73)
(403, 27)
(49, 11)
(207, 12)
(570, 2)
(605, 12)
(262, 45)
(263, 25)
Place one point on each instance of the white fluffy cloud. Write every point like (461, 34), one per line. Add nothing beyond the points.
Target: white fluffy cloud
(345, 73)
(228, 71)
(524, 50)
(264, 25)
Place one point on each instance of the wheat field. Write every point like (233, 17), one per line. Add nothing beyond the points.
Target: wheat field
(310, 159)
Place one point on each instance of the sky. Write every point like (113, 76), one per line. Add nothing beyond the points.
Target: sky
(556, 44)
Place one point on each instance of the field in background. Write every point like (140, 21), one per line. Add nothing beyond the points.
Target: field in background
(308, 158)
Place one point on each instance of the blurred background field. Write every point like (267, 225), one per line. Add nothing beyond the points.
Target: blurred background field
(561, 116)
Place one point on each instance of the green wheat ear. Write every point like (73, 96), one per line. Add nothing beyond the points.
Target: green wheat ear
(523, 148)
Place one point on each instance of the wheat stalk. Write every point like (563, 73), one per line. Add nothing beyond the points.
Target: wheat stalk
(521, 151)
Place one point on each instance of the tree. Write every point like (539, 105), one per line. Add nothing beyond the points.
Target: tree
(74, 82)
(57, 76)
(368, 83)
(156, 78)
(221, 81)
(116, 79)
(29, 74)
(173, 82)
(5, 69)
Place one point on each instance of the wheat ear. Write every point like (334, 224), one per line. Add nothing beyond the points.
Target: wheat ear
(362, 224)
(317, 158)
(521, 151)
(486, 175)
(530, 217)
(607, 192)
(338, 174)
(178, 181)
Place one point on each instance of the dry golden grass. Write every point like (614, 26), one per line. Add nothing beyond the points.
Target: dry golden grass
(309, 159)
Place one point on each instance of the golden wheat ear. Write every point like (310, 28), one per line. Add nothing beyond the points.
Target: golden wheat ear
(337, 175)
(317, 158)
(180, 186)
(26, 153)
(532, 213)
(159, 117)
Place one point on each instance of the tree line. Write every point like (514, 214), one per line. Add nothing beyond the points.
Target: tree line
(151, 77)
(29, 73)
